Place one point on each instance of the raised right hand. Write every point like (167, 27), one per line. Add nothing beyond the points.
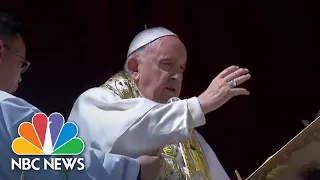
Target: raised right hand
(221, 88)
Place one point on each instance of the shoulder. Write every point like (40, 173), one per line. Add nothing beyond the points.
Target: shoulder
(95, 90)
(98, 93)
(13, 102)
(5, 95)
(15, 110)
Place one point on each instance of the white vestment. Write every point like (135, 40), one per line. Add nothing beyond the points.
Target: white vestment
(99, 165)
(135, 126)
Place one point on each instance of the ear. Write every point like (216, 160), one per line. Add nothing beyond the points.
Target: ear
(1, 51)
(133, 67)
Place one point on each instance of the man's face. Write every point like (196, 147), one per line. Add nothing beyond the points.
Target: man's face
(160, 69)
(12, 63)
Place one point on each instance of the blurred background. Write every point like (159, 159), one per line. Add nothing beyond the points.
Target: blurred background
(76, 45)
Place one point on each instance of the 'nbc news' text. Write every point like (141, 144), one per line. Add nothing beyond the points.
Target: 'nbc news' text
(56, 164)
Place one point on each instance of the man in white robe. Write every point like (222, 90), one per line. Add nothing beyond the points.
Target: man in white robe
(14, 111)
(136, 110)
(99, 165)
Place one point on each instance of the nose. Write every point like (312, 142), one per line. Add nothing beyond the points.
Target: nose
(177, 76)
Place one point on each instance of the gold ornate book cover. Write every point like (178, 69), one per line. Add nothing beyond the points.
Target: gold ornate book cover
(297, 160)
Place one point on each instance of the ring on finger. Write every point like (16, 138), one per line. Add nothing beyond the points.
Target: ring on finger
(233, 83)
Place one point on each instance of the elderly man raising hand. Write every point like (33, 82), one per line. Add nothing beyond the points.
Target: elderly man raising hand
(138, 110)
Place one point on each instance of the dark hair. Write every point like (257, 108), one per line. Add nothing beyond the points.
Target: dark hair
(9, 27)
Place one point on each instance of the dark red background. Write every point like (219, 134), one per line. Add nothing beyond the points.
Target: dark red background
(75, 45)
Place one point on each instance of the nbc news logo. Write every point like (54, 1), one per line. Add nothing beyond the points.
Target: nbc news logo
(47, 136)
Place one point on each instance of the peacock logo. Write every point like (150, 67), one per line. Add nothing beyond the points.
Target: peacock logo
(48, 136)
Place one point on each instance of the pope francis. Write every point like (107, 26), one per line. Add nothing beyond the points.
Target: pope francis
(137, 110)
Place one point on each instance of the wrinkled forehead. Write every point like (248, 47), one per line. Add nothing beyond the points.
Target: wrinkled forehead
(168, 48)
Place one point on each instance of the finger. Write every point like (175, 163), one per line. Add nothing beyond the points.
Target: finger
(156, 158)
(239, 91)
(241, 79)
(305, 123)
(158, 161)
(227, 71)
(236, 74)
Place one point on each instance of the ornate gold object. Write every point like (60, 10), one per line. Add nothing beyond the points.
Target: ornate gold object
(195, 163)
(295, 159)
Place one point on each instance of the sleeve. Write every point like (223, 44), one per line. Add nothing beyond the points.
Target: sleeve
(139, 175)
(138, 123)
(105, 166)
(99, 165)
(13, 111)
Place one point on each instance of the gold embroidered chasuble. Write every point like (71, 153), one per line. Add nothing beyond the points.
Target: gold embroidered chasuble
(186, 160)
